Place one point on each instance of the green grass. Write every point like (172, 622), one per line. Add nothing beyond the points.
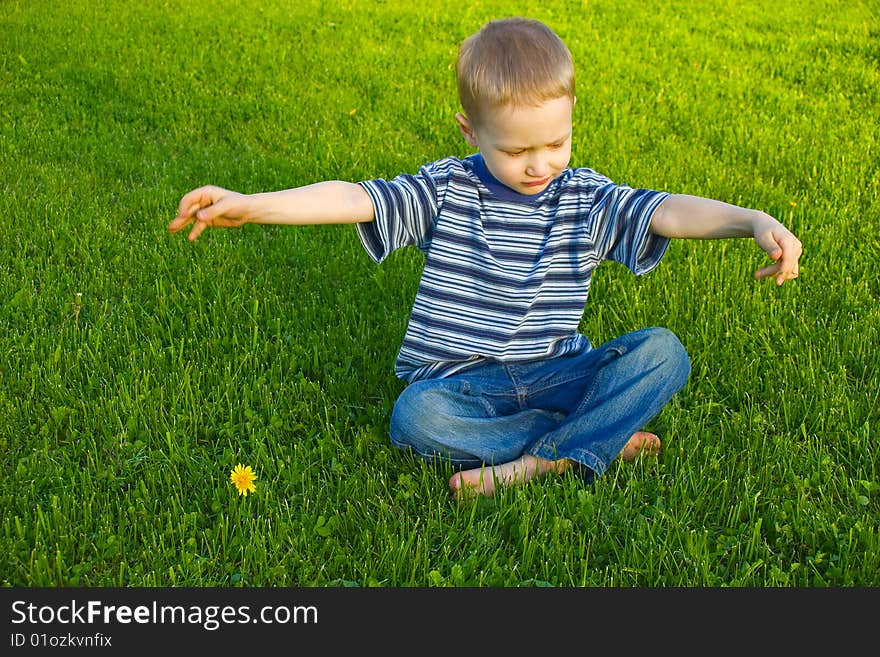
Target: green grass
(136, 369)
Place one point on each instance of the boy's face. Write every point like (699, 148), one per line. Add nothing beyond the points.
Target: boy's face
(524, 147)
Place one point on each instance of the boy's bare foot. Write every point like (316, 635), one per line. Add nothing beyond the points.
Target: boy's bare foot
(486, 480)
(641, 442)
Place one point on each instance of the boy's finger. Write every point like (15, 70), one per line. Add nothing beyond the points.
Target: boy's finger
(197, 198)
(197, 229)
(189, 205)
(197, 201)
(788, 266)
(177, 223)
(779, 273)
(790, 257)
(769, 270)
(770, 246)
(211, 211)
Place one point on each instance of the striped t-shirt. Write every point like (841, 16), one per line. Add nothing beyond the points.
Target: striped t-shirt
(506, 275)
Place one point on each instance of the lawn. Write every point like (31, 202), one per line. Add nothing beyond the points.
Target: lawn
(137, 369)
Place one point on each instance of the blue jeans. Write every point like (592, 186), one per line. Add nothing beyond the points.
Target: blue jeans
(583, 407)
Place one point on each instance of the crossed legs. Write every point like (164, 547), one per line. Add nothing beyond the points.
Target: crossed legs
(505, 424)
(487, 480)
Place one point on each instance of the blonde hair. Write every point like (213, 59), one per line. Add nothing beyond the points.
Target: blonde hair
(517, 61)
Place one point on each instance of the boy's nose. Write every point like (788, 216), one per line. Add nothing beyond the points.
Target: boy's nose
(537, 169)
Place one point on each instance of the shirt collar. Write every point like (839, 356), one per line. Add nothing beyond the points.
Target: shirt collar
(498, 188)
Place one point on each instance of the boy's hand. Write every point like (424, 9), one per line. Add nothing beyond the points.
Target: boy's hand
(781, 245)
(209, 206)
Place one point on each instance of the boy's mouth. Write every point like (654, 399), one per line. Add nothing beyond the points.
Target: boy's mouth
(537, 183)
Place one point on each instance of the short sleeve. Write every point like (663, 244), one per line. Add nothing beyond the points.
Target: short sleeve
(624, 215)
(405, 210)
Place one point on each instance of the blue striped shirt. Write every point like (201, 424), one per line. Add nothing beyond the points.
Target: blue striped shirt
(506, 275)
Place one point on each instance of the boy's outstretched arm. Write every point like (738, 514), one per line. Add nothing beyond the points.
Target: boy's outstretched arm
(330, 202)
(695, 217)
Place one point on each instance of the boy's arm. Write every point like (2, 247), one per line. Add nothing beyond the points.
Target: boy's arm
(680, 215)
(330, 202)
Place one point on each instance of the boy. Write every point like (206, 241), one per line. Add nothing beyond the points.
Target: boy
(500, 382)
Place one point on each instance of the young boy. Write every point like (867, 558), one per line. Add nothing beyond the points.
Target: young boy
(500, 382)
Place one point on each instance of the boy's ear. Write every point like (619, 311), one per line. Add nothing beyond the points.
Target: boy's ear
(466, 130)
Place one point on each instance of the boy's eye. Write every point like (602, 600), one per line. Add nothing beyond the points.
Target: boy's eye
(557, 145)
(514, 153)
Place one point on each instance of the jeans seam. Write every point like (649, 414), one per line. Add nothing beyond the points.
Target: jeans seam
(618, 351)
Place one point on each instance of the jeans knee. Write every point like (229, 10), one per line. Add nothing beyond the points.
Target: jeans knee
(403, 419)
(669, 352)
(420, 423)
(417, 417)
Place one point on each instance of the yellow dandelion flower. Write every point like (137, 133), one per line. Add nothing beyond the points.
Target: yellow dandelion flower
(243, 478)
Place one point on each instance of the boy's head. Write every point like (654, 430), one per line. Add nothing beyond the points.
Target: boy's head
(516, 86)
(512, 61)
